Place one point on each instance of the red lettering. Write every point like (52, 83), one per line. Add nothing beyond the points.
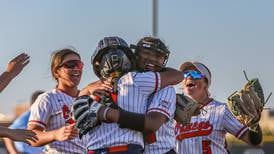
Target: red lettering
(67, 115)
(193, 130)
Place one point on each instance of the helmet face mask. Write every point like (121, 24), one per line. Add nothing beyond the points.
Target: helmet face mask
(112, 57)
(114, 63)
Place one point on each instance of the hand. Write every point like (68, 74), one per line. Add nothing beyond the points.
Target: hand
(97, 89)
(22, 135)
(85, 113)
(65, 133)
(16, 65)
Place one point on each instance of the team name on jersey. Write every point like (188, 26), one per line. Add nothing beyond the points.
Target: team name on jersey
(202, 128)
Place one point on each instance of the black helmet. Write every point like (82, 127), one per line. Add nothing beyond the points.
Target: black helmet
(112, 55)
(154, 44)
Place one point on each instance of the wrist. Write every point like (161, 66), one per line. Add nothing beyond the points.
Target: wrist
(113, 115)
(8, 75)
(255, 137)
(101, 113)
(54, 135)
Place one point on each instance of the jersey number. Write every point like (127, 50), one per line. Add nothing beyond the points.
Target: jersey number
(206, 146)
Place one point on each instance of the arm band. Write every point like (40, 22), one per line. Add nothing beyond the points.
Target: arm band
(255, 137)
(131, 120)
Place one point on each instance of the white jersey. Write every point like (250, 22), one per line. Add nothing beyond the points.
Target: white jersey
(163, 140)
(134, 90)
(206, 132)
(51, 111)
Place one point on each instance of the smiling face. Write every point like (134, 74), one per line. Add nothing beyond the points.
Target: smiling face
(195, 88)
(66, 68)
(149, 60)
(70, 76)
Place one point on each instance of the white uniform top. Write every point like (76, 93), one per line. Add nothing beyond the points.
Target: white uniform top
(134, 90)
(206, 132)
(51, 111)
(164, 101)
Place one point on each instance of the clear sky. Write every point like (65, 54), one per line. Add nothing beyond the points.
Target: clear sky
(228, 36)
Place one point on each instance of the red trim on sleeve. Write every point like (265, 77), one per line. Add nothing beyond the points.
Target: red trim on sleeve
(39, 122)
(241, 132)
(159, 109)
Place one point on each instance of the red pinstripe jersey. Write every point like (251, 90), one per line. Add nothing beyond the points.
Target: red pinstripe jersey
(206, 132)
(51, 111)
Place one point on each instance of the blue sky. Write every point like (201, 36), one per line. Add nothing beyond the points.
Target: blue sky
(228, 36)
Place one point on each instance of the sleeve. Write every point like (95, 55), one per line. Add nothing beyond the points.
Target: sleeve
(232, 125)
(164, 101)
(148, 82)
(40, 111)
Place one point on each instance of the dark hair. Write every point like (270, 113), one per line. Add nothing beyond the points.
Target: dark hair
(35, 95)
(58, 57)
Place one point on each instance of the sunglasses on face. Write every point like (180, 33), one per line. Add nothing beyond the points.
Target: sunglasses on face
(194, 74)
(72, 64)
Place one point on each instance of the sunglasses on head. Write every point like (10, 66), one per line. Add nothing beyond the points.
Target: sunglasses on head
(194, 74)
(72, 64)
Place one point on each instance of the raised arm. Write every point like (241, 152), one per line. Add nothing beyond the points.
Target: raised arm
(15, 66)
(170, 76)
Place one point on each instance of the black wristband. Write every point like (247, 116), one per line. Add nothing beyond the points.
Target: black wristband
(255, 137)
(131, 120)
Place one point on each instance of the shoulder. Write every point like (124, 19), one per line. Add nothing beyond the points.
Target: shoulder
(168, 89)
(131, 77)
(216, 104)
(45, 98)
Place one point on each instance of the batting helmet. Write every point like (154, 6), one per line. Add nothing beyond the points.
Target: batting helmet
(112, 55)
(154, 44)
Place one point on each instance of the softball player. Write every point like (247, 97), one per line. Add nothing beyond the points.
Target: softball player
(206, 132)
(152, 56)
(134, 89)
(50, 115)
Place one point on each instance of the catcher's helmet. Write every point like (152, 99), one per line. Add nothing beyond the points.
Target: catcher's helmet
(112, 55)
(154, 44)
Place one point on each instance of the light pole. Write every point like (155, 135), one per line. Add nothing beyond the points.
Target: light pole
(155, 18)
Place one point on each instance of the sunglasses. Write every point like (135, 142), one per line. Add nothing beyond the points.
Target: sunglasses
(194, 74)
(72, 64)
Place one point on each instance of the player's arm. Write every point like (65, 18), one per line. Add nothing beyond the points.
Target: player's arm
(151, 82)
(235, 127)
(170, 76)
(15, 66)
(139, 122)
(21, 135)
(44, 137)
(253, 137)
(160, 110)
